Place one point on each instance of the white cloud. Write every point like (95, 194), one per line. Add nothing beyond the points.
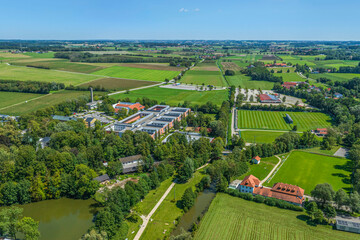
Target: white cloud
(183, 10)
(197, 9)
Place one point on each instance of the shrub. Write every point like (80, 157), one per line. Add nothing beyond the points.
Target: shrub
(259, 199)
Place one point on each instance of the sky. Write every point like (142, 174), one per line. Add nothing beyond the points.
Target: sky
(181, 19)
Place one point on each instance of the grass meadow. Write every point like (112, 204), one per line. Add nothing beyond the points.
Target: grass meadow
(341, 77)
(230, 218)
(40, 55)
(262, 169)
(206, 67)
(10, 98)
(275, 120)
(43, 75)
(45, 100)
(204, 77)
(307, 170)
(137, 73)
(117, 83)
(175, 96)
(246, 82)
(260, 136)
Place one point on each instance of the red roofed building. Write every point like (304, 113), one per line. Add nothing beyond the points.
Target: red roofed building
(267, 98)
(321, 131)
(286, 192)
(256, 160)
(128, 106)
(289, 85)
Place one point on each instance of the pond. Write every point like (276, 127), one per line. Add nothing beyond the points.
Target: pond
(61, 218)
(200, 207)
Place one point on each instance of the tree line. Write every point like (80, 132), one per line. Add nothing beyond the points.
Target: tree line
(29, 86)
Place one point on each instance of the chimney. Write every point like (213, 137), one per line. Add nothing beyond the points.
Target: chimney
(91, 94)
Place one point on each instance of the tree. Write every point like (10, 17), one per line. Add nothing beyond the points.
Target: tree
(323, 193)
(10, 217)
(114, 168)
(294, 128)
(93, 235)
(188, 199)
(354, 201)
(311, 209)
(84, 184)
(341, 198)
(29, 228)
(222, 185)
(329, 211)
(186, 171)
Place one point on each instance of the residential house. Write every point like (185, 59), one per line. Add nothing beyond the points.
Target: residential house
(249, 183)
(131, 163)
(102, 179)
(289, 85)
(321, 132)
(256, 160)
(348, 223)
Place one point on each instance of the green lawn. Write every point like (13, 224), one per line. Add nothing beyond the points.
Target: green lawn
(246, 82)
(117, 83)
(137, 73)
(262, 169)
(336, 76)
(42, 102)
(11, 98)
(230, 218)
(260, 136)
(290, 77)
(168, 212)
(198, 77)
(307, 170)
(34, 74)
(40, 55)
(176, 96)
(275, 120)
(321, 151)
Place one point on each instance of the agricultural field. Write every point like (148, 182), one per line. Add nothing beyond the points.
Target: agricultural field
(206, 67)
(43, 75)
(263, 169)
(204, 77)
(111, 84)
(60, 65)
(230, 66)
(137, 73)
(230, 218)
(175, 96)
(40, 55)
(10, 98)
(241, 64)
(163, 219)
(8, 55)
(246, 57)
(45, 100)
(276, 120)
(290, 77)
(307, 170)
(260, 136)
(341, 77)
(246, 82)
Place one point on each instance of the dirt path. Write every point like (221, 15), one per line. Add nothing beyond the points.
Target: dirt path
(272, 171)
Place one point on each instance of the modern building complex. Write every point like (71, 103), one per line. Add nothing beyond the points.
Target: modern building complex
(287, 192)
(267, 98)
(154, 120)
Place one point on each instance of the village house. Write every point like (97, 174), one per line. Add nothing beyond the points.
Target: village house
(131, 163)
(256, 160)
(102, 179)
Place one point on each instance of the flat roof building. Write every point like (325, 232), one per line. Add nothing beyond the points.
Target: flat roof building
(348, 223)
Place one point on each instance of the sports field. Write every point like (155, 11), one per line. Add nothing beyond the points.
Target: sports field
(45, 100)
(307, 170)
(43, 75)
(230, 218)
(260, 136)
(11, 98)
(176, 96)
(276, 120)
(137, 73)
(117, 83)
(204, 77)
(246, 82)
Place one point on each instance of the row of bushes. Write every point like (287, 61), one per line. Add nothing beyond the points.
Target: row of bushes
(268, 201)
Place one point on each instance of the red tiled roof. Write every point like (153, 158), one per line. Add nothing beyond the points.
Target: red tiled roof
(288, 189)
(267, 192)
(250, 181)
(257, 158)
(264, 97)
(290, 83)
(131, 106)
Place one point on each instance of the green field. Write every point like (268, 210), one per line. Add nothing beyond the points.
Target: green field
(61, 65)
(246, 82)
(260, 136)
(230, 218)
(40, 55)
(117, 83)
(11, 98)
(206, 67)
(137, 73)
(204, 77)
(341, 77)
(275, 120)
(290, 77)
(34, 74)
(175, 96)
(307, 170)
(262, 169)
(46, 100)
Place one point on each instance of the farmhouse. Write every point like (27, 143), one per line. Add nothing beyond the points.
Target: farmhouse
(256, 160)
(267, 98)
(288, 119)
(155, 120)
(321, 132)
(286, 192)
(128, 106)
(289, 85)
(131, 163)
(348, 223)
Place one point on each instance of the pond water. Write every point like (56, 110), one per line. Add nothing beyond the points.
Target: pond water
(61, 218)
(200, 207)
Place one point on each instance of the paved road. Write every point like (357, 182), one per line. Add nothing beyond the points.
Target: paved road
(272, 171)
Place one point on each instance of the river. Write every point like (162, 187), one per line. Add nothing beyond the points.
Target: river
(61, 218)
(200, 207)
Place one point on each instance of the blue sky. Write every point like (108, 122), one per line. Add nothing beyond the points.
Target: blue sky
(184, 19)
